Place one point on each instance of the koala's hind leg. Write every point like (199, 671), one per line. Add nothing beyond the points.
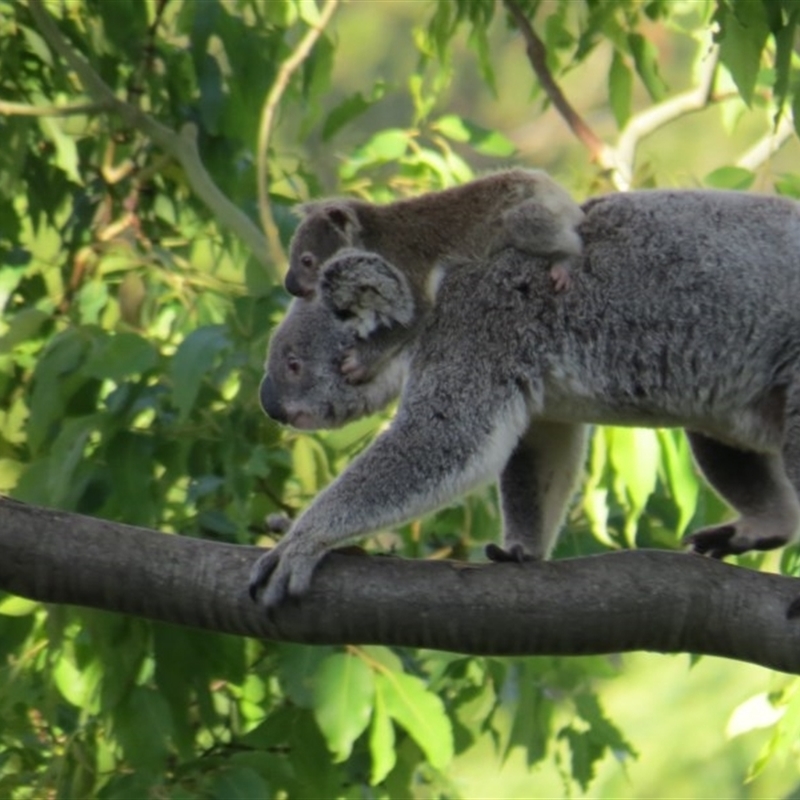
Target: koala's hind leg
(536, 485)
(758, 487)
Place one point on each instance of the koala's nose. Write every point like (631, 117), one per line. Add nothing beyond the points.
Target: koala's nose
(295, 287)
(269, 400)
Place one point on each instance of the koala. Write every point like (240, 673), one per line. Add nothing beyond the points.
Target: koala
(359, 293)
(684, 314)
(518, 208)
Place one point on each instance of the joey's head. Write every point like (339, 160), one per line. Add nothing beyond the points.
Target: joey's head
(327, 227)
(357, 296)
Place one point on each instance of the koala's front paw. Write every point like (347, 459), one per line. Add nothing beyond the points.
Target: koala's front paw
(353, 369)
(284, 571)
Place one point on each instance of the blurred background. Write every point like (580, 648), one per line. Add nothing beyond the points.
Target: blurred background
(151, 154)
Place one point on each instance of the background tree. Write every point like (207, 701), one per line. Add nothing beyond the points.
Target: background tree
(145, 147)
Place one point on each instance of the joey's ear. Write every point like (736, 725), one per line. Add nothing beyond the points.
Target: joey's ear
(366, 291)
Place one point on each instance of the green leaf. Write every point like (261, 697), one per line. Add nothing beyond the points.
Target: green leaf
(421, 713)
(239, 783)
(343, 695)
(66, 157)
(117, 356)
(634, 456)
(483, 140)
(645, 58)
(18, 606)
(620, 88)
(349, 109)
(680, 476)
(730, 178)
(143, 726)
(381, 740)
(297, 665)
(310, 465)
(191, 362)
(743, 32)
(388, 145)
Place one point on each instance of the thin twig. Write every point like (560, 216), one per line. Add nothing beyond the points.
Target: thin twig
(181, 146)
(285, 72)
(537, 55)
(10, 109)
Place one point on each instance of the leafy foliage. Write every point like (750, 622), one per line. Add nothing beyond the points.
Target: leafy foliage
(131, 347)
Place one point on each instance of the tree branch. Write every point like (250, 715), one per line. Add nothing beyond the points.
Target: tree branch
(633, 600)
(537, 55)
(11, 109)
(181, 146)
(655, 117)
(287, 69)
(767, 146)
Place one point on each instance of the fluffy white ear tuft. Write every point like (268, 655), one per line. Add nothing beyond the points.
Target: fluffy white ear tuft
(367, 291)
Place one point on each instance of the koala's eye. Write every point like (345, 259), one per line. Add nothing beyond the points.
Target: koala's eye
(307, 260)
(293, 364)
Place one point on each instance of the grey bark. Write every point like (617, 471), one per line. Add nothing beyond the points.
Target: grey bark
(635, 600)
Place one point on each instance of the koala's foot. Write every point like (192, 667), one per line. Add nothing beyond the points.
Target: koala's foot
(731, 539)
(559, 274)
(278, 522)
(352, 368)
(282, 572)
(514, 555)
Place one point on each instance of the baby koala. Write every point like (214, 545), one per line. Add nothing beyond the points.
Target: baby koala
(314, 351)
(523, 209)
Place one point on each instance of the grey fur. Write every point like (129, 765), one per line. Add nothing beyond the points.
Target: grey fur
(684, 311)
(518, 208)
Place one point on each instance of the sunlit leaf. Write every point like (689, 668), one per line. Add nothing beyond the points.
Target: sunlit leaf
(191, 362)
(381, 739)
(620, 87)
(343, 696)
(420, 712)
(730, 178)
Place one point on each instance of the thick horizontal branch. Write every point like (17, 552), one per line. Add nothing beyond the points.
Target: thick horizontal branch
(635, 600)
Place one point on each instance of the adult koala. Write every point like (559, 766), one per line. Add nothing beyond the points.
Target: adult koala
(683, 311)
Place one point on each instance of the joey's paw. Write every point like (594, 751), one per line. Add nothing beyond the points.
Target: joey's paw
(514, 555)
(352, 368)
(729, 540)
(559, 274)
(280, 573)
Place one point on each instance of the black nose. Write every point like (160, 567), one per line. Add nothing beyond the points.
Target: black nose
(295, 287)
(269, 400)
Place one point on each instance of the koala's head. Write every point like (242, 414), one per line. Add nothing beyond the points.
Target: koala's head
(357, 295)
(327, 227)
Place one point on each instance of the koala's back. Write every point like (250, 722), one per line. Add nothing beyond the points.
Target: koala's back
(685, 310)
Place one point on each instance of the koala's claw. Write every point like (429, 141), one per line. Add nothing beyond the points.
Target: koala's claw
(513, 555)
(280, 573)
(725, 540)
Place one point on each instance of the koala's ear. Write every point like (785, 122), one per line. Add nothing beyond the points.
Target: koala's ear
(366, 291)
(340, 214)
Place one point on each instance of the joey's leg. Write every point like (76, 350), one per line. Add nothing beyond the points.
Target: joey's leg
(421, 462)
(756, 485)
(535, 487)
